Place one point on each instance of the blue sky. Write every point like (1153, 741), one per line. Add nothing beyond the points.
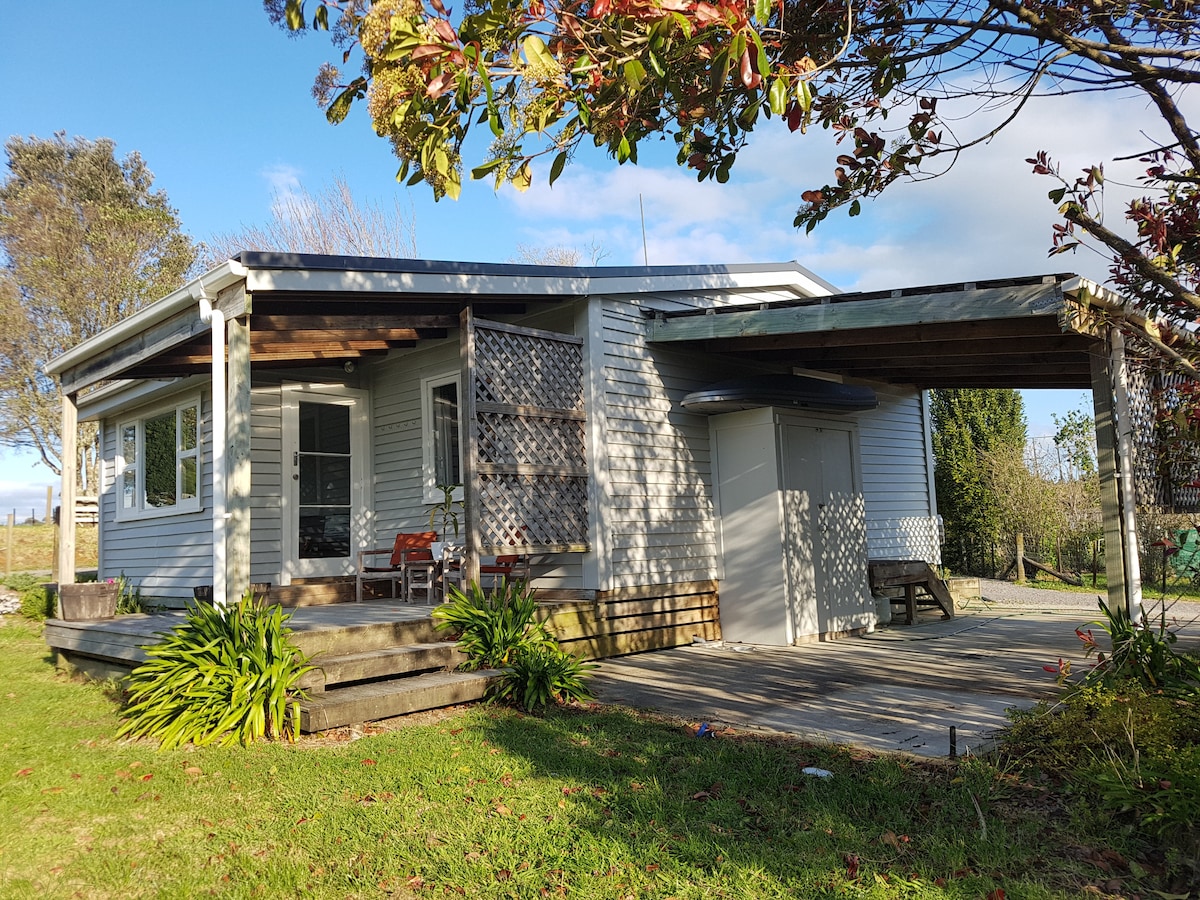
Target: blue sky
(217, 102)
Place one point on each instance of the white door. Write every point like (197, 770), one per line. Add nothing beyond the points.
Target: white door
(324, 474)
(825, 530)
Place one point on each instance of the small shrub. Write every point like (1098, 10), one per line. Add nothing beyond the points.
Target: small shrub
(130, 599)
(543, 674)
(1140, 651)
(499, 630)
(223, 676)
(493, 626)
(36, 602)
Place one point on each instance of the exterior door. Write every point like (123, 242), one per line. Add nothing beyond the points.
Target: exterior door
(324, 485)
(825, 530)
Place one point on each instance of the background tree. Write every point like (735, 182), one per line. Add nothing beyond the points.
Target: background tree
(84, 242)
(969, 424)
(331, 221)
(905, 85)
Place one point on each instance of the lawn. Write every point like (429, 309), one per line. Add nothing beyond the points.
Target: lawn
(487, 802)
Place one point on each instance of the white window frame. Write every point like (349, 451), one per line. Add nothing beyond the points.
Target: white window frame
(430, 491)
(182, 505)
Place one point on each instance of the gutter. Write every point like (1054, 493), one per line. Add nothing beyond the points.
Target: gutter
(213, 281)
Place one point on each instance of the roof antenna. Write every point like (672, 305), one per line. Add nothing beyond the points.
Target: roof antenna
(645, 252)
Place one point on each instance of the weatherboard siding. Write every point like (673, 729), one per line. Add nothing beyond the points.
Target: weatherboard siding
(897, 484)
(162, 556)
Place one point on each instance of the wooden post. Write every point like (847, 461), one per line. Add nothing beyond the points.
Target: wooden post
(470, 444)
(1106, 452)
(8, 554)
(66, 516)
(1020, 557)
(49, 504)
(237, 458)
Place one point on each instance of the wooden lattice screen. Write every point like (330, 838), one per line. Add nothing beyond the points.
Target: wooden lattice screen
(1166, 459)
(526, 461)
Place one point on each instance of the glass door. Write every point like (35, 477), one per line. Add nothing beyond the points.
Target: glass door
(324, 439)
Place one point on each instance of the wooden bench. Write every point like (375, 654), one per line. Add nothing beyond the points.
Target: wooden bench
(911, 574)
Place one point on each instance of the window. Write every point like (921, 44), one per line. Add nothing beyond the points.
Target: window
(158, 463)
(443, 449)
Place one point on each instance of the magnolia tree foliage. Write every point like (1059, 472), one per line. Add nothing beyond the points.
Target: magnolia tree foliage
(84, 241)
(905, 85)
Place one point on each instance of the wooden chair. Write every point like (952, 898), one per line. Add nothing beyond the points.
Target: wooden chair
(411, 564)
(511, 567)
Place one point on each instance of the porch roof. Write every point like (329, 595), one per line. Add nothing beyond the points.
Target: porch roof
(312, 310)
(1032, 332)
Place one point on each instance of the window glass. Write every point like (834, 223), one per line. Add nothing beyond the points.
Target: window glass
(324, 428)
(447, 464)
(161, 460)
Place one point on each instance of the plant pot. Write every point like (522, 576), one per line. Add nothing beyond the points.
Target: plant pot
(81, 602)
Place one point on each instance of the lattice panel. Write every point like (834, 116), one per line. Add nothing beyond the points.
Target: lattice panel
(1166, 457)
(527, 370)
(530, 440)
(531, 511)
(530, 455)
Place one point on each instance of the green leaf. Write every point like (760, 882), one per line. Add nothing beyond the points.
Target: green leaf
(556, 167)
(855, 208)
(480, 172)
(635, 74)
(762, 11)
(321, 18)
(523, 177)
(294, 14)
(777, 97)
(536, 52)
(1057, 194)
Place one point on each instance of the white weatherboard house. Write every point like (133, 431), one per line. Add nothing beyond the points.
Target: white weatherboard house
(281, 413)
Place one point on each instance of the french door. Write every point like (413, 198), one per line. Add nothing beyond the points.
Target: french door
(324, 480)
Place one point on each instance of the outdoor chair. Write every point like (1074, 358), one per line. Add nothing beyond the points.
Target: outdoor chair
(410, 567)
(510, 567)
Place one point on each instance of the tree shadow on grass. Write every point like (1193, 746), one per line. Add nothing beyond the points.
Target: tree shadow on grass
(676, 813)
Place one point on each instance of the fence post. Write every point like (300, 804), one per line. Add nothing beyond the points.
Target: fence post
(1020, 558)
(8, 555)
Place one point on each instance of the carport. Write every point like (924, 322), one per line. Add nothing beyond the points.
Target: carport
(1054, 331)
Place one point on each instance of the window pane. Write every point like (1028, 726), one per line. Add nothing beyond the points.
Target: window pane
(447, 467)
(324, 533)
(129, 489)
(129, 444)
(187, 428)
(324, 479)
(160, 462)
(324, 428)
(187, 486)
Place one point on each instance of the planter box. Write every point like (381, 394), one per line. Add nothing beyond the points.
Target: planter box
(80, 602)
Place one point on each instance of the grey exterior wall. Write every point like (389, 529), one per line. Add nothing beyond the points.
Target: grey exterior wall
(163, 556)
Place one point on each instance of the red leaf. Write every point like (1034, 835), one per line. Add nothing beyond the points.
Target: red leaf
(997, 894)
(368, 762)
(600, 8)
(24, 772)
(445, 31)
(852, 865)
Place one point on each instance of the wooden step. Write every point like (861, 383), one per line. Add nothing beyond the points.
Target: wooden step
(395, 697)
(361, 638)
(388, 662)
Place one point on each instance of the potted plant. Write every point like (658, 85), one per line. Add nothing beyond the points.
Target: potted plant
(444, 516)
(89, 600)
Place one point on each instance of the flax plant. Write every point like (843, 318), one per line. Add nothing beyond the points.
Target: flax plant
(224, 676)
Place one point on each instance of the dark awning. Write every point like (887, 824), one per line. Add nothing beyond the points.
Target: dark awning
(788, 391)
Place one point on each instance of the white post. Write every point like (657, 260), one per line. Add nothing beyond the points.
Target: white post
(66, 516)
(216, 320)
(1129, 543)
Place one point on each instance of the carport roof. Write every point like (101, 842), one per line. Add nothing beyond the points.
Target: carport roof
(1033, 332)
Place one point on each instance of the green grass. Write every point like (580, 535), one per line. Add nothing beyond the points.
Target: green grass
(488, 803)
(32, 548)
